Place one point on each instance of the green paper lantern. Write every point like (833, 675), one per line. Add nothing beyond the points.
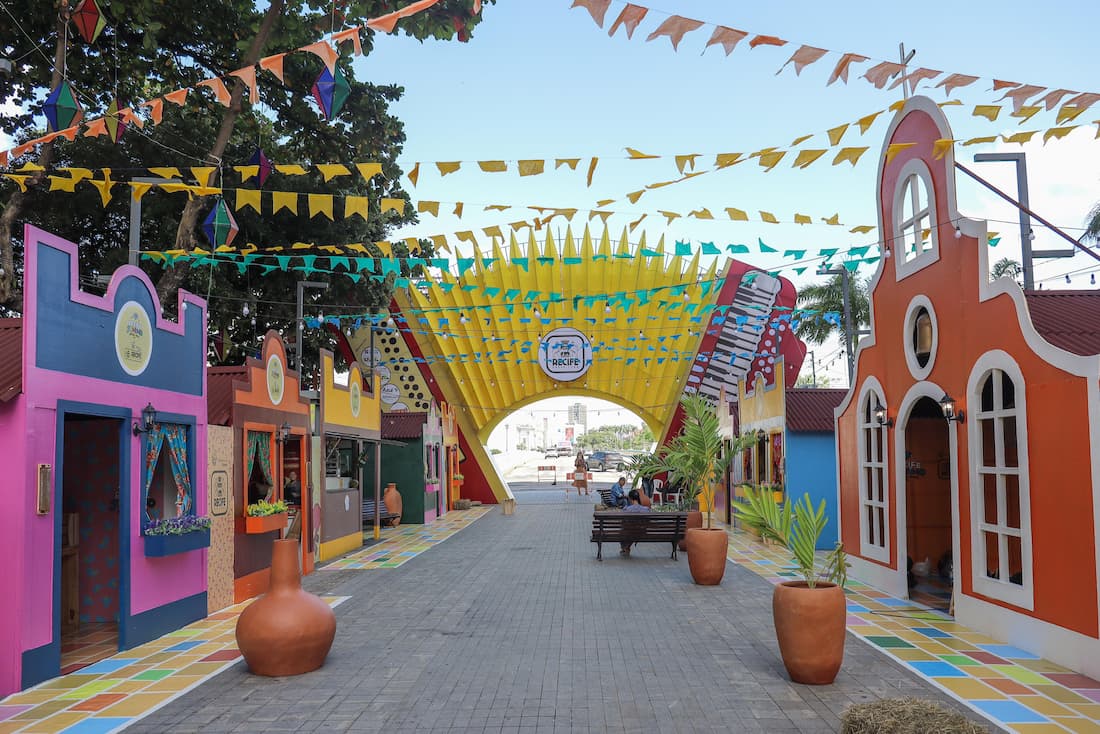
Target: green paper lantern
(62, 108)
(220, 227)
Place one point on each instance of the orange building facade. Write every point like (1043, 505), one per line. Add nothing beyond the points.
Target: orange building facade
(1002, 499)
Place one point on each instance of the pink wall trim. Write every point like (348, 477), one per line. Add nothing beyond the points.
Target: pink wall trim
(14, 499)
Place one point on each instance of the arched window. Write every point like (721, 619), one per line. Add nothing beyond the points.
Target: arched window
(914, 225)
(874, 516)
(1001, 527)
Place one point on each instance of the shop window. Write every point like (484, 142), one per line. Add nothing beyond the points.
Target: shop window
(1002, 559)
(341, 463)
(873, 483)
(261, 482)
(915, 236)
(168, 489)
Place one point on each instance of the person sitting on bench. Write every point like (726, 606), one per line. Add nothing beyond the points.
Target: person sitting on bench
(634, 507)
(618, 493)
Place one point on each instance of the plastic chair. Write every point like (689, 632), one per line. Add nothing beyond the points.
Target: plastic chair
(673, 498)
(658, 495)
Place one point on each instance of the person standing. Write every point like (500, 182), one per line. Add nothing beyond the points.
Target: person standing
(580, 474)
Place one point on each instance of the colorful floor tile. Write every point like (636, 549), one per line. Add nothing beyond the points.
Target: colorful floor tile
(405, 542)
(110, 694)
(89, 644)
(1011, 687)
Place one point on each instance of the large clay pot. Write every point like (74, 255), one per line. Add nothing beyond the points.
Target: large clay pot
(694, 520)
(392, 498)
(286, 631)
(810, 627)
(707, 557)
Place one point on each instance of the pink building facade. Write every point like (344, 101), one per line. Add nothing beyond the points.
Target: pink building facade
(85, 469)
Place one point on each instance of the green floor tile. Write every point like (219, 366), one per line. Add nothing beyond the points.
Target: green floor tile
(889, 641)
(1021, 675)
(153, 674)
(959, 660)
(90, 689)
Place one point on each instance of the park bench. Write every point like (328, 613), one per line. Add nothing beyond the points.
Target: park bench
(615, 526)
(384, 515)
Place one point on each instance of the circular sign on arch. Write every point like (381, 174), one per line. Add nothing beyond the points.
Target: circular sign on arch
(565, 354)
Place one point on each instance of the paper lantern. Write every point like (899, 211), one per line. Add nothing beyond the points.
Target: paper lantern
(220, 226)
(89, 20)
(116, 126)
(62, 108)
(331, 92)
(260, 160)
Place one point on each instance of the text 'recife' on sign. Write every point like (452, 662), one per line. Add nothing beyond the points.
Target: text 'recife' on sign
(565, 354)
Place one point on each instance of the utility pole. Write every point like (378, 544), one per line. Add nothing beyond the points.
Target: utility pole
(844, 277)
(302, 285)
(813, 366)
(1027, 235)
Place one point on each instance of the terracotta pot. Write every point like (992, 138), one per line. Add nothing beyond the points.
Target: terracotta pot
(810, 627)
(392, 498)
(707, 557)
(694, 520)
(286, 631)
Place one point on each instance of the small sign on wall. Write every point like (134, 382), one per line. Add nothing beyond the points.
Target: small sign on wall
(219, 493)
(42, 495)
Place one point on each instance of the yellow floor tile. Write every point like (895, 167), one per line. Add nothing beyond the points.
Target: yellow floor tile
(1045, 728)
(1062, 695)
(129, 686)
(174, 683)
(68, 682)
(7, 727)
(201, 668)
(1079, 725)
(1044, 705)
(969, 688)
(956, 644)
(38, 695)
(911, 653)
(1088, 710)
(57, 722)
(938, 649)
(1043, 666)
(136, 704)
(42, 710)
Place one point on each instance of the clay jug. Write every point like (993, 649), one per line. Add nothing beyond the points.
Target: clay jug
(392, 498)
(286, 631)
(810, 628)
(707, 555)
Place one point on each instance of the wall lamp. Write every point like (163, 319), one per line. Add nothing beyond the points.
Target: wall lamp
(284, 433)
(148, 418)
(880, 415)
(947, 405)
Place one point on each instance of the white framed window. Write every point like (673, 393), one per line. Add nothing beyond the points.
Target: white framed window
(874, 495)
(999, 486)
(916, 241)
(921, 337)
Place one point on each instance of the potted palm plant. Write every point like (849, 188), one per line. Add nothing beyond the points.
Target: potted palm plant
(810, 613)
(695, 458)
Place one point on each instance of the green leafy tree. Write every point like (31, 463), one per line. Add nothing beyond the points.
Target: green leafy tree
(828, 298)
(151, 47)
(1092, 225)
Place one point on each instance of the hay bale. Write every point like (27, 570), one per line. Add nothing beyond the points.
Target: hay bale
(905, 716)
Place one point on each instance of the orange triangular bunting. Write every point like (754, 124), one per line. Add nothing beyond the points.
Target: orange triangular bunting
(178, 97)
(218, 87)
(629, 18)
(675, 27)
(248, 76)
(766, 41)
(274, 64)
(803, 57)
(324, 51)
(351, 34)
(596, 8)
(881, 73)
(156, 109)
(727, 37)
(840, 71)
(388, 22)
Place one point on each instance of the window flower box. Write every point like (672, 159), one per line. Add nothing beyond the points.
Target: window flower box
(265, 523)
(157, 546)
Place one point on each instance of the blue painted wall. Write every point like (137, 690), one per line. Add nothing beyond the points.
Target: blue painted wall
(79, 339)
(811, 467)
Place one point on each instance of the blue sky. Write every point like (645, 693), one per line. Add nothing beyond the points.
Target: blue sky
(541, 80)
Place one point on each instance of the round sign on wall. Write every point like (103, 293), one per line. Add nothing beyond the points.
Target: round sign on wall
(565, 354)
(133, 338)
(356, 397)
(275, 379)
(391, 393)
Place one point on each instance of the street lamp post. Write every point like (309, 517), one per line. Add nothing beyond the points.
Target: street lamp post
(844, 276)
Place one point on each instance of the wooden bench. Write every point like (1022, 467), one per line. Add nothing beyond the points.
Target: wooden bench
(385, 516)
(615, 526)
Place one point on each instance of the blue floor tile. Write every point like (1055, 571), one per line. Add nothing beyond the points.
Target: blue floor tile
(857, 608)
(1009, 652)
(107, 666)
(97, 725)
(895, 602)
(181, 646)
(931, 632)
(936, 669)
(1009, 712)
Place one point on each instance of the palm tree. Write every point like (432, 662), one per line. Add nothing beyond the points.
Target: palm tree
(828, 297)
(1006, 266)
(1092, 228)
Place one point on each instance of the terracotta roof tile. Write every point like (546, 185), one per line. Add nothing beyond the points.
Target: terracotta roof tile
(1069, 320)
(219, 393)
(11, 358)
(403, 425)
(811, 408)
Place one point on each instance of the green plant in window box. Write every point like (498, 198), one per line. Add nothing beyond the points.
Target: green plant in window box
(172, 535)
(264, 508)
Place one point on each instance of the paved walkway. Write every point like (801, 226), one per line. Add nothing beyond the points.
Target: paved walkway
(512, 625)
